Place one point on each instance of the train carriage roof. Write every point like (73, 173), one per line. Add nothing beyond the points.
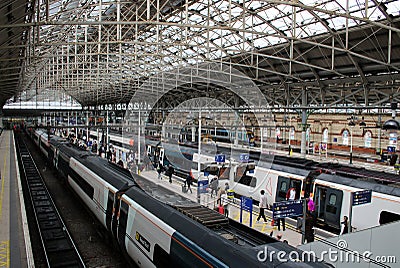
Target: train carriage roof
(242, 256)
(366, 185)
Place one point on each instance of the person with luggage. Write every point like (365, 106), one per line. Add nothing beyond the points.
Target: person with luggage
(225, 203)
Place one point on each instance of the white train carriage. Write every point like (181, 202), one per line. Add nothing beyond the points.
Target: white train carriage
(333, 196)
(275, 182)
(93, 190)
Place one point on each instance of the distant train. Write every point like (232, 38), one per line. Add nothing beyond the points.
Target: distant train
(152, 233)
(219, 134)
(330, 185)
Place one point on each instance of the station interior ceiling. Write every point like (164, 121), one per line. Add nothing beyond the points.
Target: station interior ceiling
(314, 53)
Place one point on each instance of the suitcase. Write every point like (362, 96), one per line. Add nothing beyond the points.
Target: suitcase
(184, 189)
(221, 210)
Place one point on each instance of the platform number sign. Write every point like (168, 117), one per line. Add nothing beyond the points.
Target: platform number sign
(220, 158)
(244, 158)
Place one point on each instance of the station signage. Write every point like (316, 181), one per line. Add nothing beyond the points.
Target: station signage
(244, 158)
(362, 197)
(202, 186)
(285, 209)
(220, 158)
(246, 203)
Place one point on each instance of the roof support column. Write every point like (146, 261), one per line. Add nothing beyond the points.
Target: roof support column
(379, 147)
(303, 121)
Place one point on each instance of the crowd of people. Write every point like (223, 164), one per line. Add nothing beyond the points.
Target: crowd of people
(100, 148)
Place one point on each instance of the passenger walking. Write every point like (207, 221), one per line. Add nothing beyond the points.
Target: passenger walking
(159, 170)
(225, 202)
(188, 182)
(263, 206)
(309, 228)
(226, 187)
(214, 186)
(170, 172)
(344, 226)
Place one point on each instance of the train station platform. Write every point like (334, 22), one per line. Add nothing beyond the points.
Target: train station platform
(15, 247)
(291, 234)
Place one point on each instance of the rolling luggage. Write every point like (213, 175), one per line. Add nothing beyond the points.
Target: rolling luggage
(221, 210)
(184, 189)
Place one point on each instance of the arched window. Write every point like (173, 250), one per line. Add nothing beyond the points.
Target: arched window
(345, 137)
(368, 139)
(325, 135)
(278, 133)
(291, 133)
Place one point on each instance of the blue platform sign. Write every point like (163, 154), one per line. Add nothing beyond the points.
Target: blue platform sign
(362, 197)
(285, 209)
(202, 186)
(391, 149)
(244, 158)
(220, 158)
(246, 204)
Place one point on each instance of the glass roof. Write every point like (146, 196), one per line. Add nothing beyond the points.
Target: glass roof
(92, 47)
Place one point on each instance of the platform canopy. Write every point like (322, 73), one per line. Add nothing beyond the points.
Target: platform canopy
(342, 53)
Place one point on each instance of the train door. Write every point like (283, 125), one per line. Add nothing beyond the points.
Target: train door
(319, 200)
(284, 184)
(333, 207)
(328, 205)
(123, 218)
(296, 184)
(115, 215)
(109, 210)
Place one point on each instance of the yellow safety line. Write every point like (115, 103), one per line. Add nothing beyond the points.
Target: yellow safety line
(4, 254)
(237, 216)
(2, 185)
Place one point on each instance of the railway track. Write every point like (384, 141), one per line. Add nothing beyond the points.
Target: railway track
(57, 244)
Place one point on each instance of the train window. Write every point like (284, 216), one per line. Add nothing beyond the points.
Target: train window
(246, 180)
(332, 199)
(203, 166)
(284, 187)
(253, 182)
(224, 173)
(388, 217)
(83, 184)
(161, 257)
(331, 206)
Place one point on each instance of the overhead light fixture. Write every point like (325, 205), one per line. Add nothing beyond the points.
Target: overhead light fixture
(391, 124)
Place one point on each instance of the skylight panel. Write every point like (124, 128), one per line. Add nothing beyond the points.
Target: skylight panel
(393, 8)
